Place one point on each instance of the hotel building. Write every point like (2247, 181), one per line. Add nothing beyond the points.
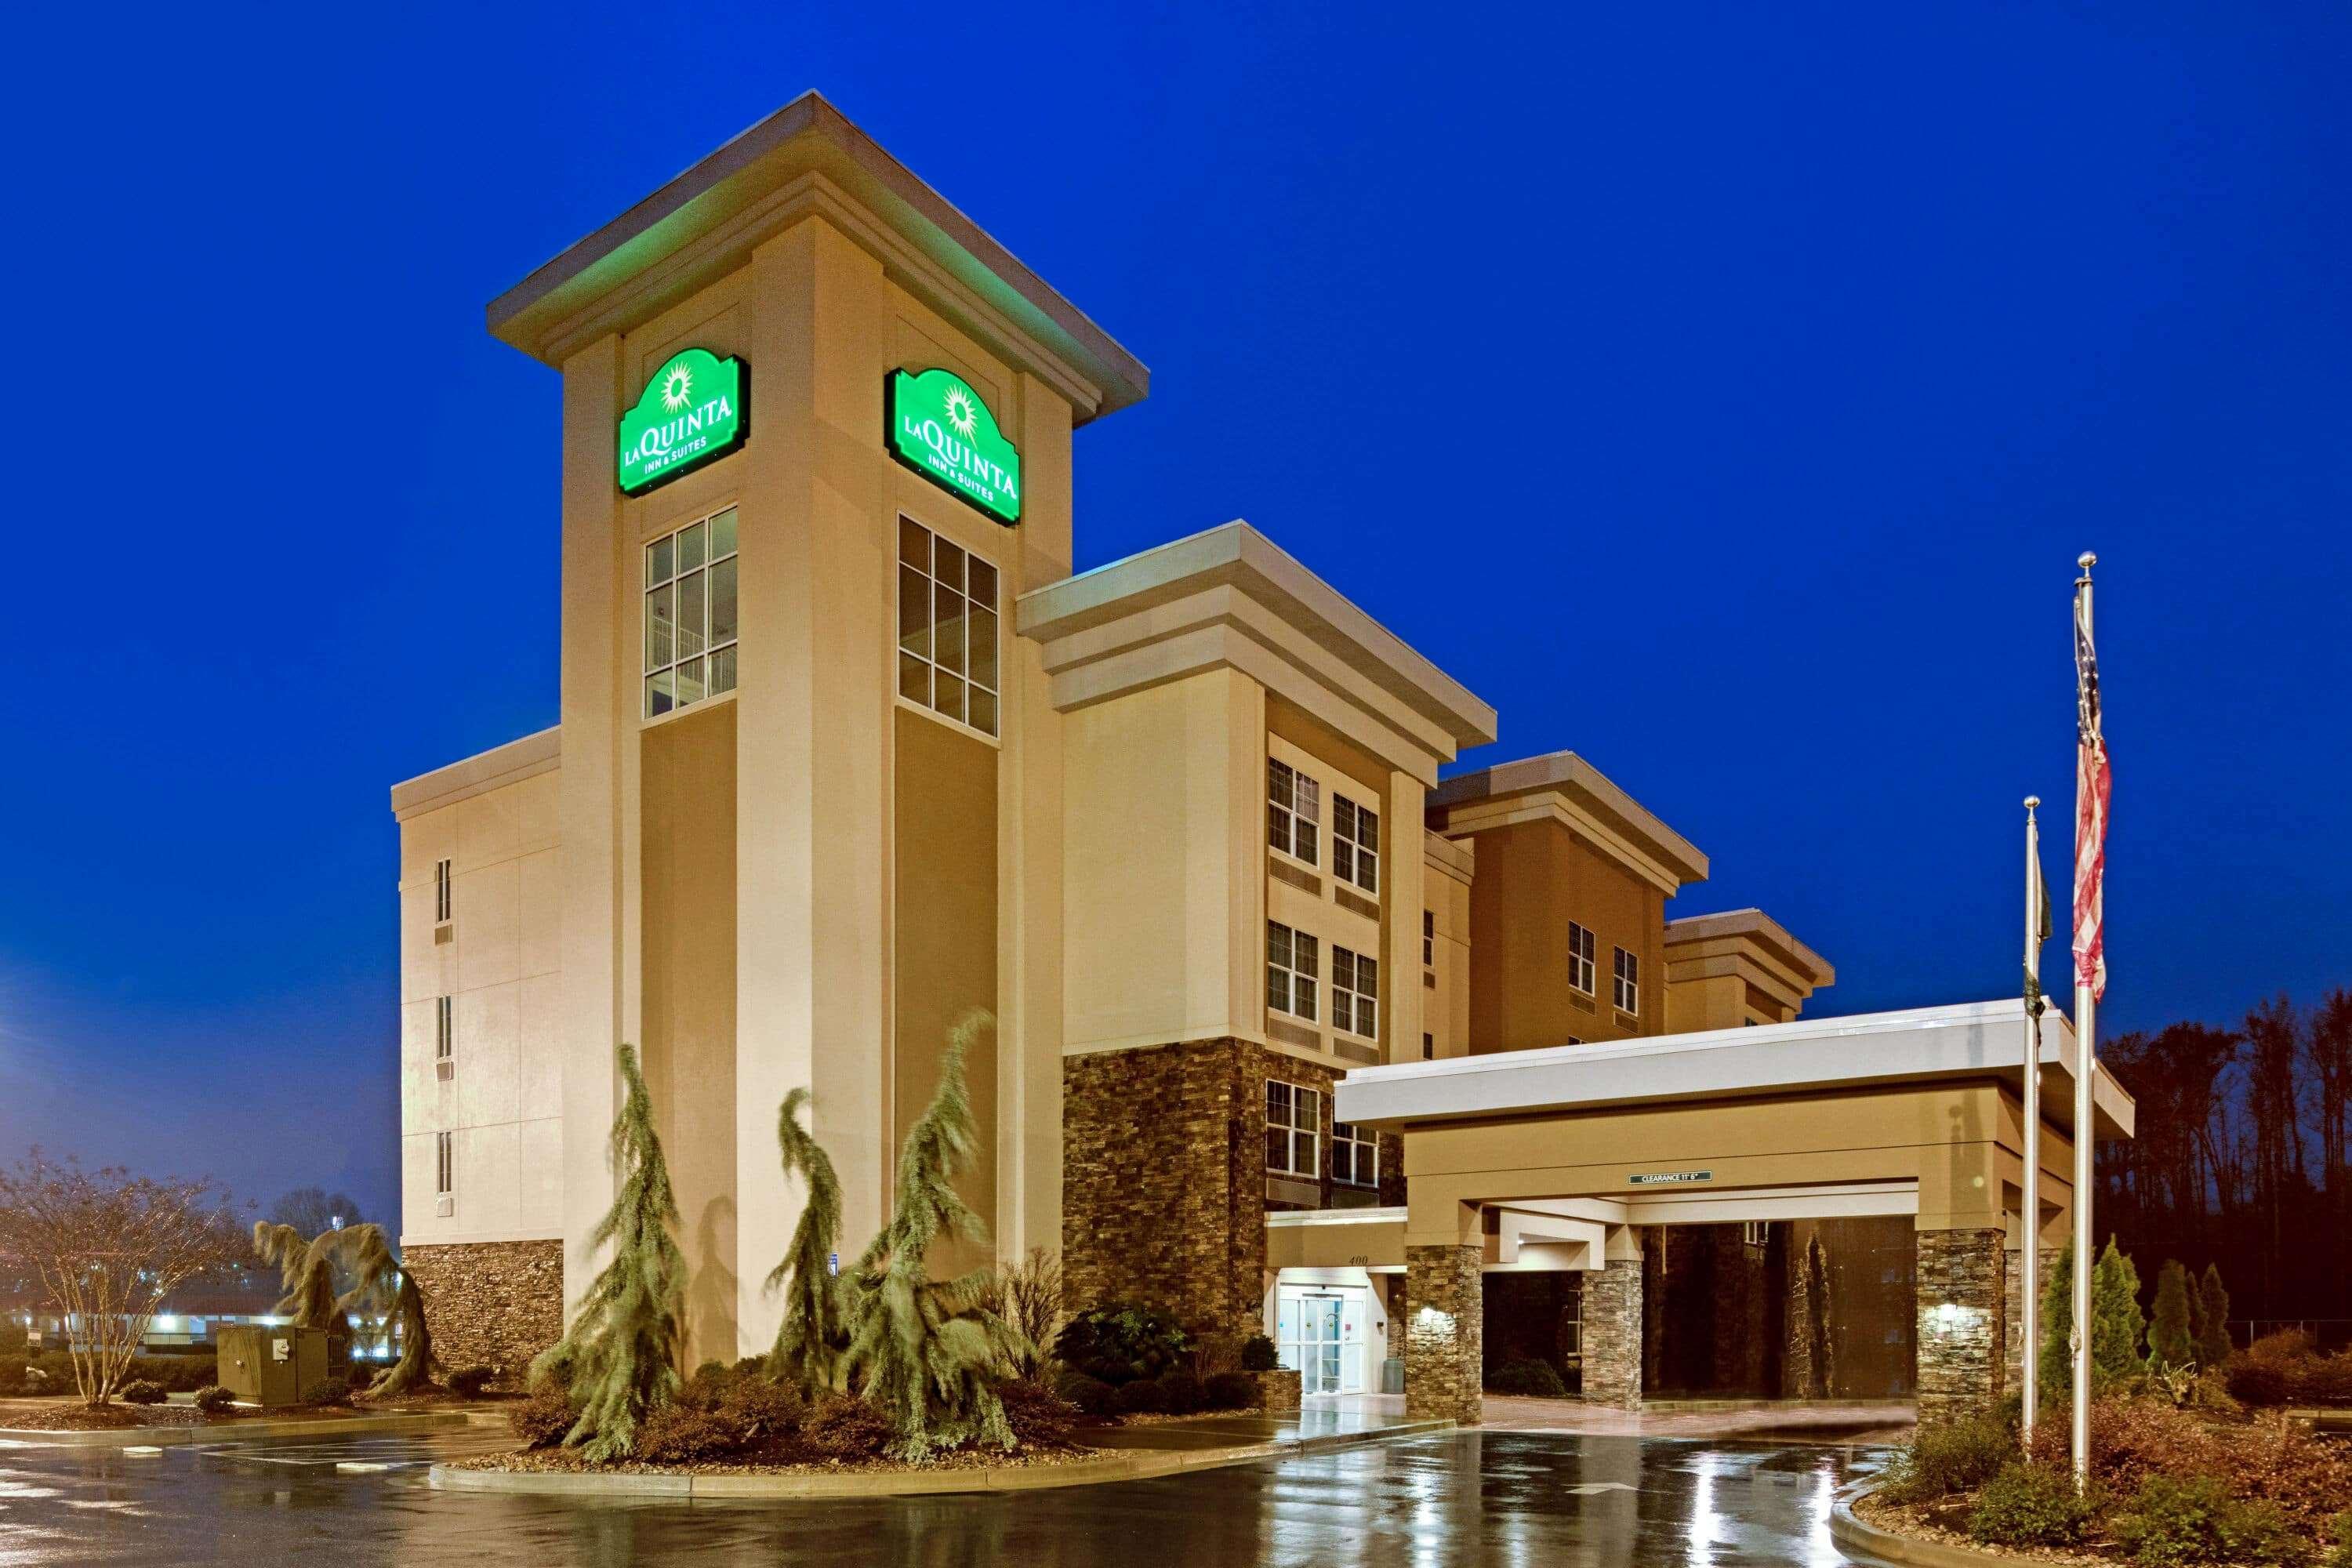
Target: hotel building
(1291, 1034)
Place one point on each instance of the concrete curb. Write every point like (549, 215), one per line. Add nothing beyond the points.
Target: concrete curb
(1867, 1543)
(236, 1431)
(1135, 1466)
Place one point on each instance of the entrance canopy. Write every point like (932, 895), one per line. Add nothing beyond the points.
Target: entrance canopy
(1915, 1111)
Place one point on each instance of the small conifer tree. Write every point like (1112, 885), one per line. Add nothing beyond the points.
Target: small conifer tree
(2213, 1300)
(2171, 1336)
(619, 1358)
(924, 1351)
(2057, 1362)
(810, 1339)
(382, 1285)
(2117, 1326)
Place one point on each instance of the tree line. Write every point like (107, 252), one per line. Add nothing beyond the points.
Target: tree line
(2240, 1158)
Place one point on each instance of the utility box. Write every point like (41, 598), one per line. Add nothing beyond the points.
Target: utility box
(272, 1367)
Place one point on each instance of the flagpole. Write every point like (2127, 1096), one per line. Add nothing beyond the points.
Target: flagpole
(2087, 1067)
(2030, 1263)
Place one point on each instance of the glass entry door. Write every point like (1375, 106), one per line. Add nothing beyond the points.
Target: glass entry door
(1322, 1336)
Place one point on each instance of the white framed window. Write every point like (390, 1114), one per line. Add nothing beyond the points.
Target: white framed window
(445, 1163)
(1626, 986)
(1294, 1125)
(1355, 990)
(1355, 1156)
(441, 892)
(1294, 811)
(1580, 971)
(1290, 970)
(1355, 843)
(445, 1037)
(947, 629)
(1756, 1233)
(1428, 939)
(690, 620)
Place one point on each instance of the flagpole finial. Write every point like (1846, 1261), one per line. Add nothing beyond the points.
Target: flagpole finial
(2032, 801)
(2086, 560)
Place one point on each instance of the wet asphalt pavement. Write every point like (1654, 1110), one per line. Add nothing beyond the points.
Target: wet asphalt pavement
(1529, 1500)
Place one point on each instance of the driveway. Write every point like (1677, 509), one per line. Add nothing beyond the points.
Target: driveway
(1509, 1498)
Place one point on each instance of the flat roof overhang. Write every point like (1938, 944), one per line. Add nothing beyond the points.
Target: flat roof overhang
(1970, 1040)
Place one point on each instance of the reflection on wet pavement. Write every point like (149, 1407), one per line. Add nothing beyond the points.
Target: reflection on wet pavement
(1515, 1498)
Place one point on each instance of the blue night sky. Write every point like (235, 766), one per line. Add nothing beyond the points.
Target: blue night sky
(1763, 368)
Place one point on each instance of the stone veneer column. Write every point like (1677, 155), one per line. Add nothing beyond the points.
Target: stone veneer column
(490, 1303)
(1612, 1333)
(1963, 1321)
(1442, 1313)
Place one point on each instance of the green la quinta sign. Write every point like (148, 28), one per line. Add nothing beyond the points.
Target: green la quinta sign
(938, 426)
(692, 412)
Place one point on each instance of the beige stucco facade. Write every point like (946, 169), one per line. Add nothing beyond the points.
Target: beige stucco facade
(1194, 858)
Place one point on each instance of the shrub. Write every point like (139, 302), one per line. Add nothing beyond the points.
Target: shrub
(1229, 1391)
(1122, 1341)
(1181, 1393)
(682, 1434)
(844, 1426)
(2133, 1440)
(2273, 1461)
(2340, 1532)
(334, 1391)
(1039, 1418)
(1142, 1398)
(1091, 1396)
(12, 1374)
(2170, 1522)
(142, 1391)
(1258, 1354)
(542, 1417)
(2257, 1383)
(467, 1382)
(2287, 1368)
(213, 1399)
(1528, 1378)
(1950, 1456)
(2031, 1505)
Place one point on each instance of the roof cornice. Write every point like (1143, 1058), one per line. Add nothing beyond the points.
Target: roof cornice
(1231, 597)
(1564, 786)
(810, 157)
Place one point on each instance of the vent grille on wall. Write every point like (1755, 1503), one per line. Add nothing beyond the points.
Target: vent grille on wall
(1306, 881)
(1291, 1035)
(1362, 906)
(443, 934)
(446, 1070)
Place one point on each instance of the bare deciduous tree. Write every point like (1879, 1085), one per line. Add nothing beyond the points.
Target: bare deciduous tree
(108, 1248)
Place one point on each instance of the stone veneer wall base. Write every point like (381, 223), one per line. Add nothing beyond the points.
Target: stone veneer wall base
(490, 1303)
(1963, 1321)
(1612, 1334)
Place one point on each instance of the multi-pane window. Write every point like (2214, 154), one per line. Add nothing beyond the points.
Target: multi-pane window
(1580, 972)
(1355, 1156)
(1429, 937)
(1355, 985)
(1290, 965)
(1355, 844)
(947, 629)
(690, 614)
(1294, 811)
(445, 1163)
(1627, 987)
(1294, 1121)
(445, 1035)
(441, 892)
(1756, 1233)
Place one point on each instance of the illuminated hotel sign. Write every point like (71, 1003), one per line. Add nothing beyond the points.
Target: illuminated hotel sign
(938, 426)
(692, 412)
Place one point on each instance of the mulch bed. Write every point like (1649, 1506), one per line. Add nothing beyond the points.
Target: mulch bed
(1945, 1522)
(789, 1458)
(67, 1413)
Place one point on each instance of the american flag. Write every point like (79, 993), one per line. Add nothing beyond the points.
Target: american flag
(2092, 784)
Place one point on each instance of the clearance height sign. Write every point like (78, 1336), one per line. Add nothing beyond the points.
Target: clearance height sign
(938, 426)
(693, 410)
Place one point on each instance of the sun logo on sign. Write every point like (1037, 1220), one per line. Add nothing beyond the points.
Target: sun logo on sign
(963, 411)
(676, 388)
